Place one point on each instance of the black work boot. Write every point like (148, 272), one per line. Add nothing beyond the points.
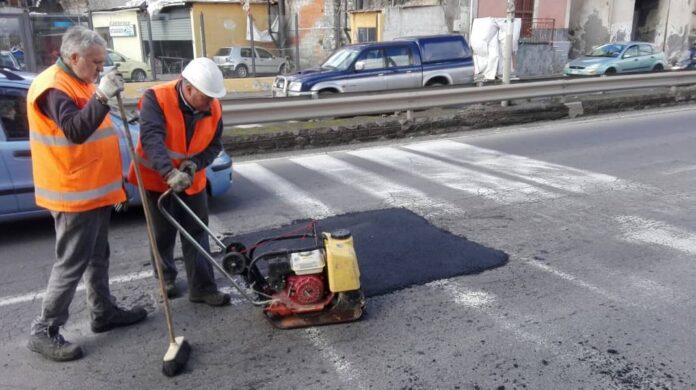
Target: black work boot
(212, 298)
(53, 346)
(118, 317)
(172, 289)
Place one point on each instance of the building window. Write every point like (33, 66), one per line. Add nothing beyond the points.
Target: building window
(524, 9)
(367, 34)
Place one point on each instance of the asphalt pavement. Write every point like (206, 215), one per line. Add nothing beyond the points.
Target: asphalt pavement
(594, 215)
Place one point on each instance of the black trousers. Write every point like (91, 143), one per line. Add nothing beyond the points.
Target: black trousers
(199, 272)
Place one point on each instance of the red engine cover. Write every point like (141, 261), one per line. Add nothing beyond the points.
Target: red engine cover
(305, 289)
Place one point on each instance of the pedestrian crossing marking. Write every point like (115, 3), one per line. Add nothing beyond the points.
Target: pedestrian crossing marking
(637, 229)
(544, 173)
(286, 191)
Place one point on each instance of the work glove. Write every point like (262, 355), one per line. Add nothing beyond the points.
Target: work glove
(121, 207)
(110, 84)
(189, 167)
(177, 180)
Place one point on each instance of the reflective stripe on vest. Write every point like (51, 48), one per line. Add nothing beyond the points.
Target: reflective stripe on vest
(142, 160)
(52, 140)
(80, 195)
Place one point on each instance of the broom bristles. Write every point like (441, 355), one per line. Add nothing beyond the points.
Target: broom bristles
(176, 357)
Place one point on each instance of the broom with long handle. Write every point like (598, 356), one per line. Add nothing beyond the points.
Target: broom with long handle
(179, 349)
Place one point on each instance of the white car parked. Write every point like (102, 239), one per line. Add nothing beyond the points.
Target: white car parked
(237, 61)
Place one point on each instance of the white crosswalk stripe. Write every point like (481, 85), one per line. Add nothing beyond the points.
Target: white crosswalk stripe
(541, 172)
(641, 230)
(453, 176)
(285, 191)
(392, 193)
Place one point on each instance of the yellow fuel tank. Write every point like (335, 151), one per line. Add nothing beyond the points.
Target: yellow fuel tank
(341, 261)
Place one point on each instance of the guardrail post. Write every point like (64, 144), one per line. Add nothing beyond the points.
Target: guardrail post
(507, 50)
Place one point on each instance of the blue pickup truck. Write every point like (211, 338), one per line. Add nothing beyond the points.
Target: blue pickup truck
(410, 62)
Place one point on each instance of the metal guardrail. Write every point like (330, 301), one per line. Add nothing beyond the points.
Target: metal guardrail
(239, 112)
(278, 110)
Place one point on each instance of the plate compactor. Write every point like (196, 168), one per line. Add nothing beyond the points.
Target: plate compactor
(311, 285)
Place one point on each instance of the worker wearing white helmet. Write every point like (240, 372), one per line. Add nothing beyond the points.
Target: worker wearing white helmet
(180, 130)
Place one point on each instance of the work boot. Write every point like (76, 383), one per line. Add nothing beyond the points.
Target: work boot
(118, 317)
(172, 289)
(212, 298)
(53, 346)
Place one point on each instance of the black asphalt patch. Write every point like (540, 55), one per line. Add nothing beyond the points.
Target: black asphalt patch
(396, 249)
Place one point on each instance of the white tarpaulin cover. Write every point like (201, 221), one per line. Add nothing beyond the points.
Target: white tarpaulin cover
(487, 42)
(262, 36)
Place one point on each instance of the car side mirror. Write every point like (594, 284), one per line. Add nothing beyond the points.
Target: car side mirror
(360, 65)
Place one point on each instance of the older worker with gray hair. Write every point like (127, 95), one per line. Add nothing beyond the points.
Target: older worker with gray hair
(77, 177)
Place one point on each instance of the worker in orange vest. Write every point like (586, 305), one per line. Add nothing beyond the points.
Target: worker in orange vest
(180, 130)
(78, 178)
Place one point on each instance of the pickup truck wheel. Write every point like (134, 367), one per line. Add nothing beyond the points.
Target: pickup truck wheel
(242, 71)
(435, 84)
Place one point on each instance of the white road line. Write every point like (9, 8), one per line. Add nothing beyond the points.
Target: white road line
(284, 190)
(552, 175)
(215, 224)
(572, 279)
(635, 286)
(482, 300)
(637, 229)
(30, 297)
(393, 194)
(348, 375)
(678, 170)
(492, 187)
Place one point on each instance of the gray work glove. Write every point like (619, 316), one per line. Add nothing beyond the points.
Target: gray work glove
(189, 167)
(110, 84)
(177, 180)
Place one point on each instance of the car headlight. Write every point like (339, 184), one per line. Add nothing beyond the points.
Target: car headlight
(592, 67)
(295, 86)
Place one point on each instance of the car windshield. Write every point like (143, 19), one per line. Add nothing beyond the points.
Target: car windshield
(340, 60)
(8, 61)
(612, 50)
(225, 51)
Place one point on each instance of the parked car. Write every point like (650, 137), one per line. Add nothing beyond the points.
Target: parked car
(131, 69)
(9, 61)
(409, 62)
(620, 57)
(236, 61)
(16, 181)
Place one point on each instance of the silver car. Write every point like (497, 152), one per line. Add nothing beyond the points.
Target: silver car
(237, 61)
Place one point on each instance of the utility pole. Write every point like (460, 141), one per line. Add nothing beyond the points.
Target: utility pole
(507, 48)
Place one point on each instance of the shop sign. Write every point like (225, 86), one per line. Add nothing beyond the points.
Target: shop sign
(121, 29)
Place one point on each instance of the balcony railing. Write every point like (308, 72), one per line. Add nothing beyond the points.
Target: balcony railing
(537, 30)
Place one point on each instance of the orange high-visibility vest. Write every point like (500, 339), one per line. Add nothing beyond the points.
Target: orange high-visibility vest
(175, 140)
(67, 176)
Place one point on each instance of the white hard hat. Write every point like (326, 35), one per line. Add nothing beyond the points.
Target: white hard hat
(203, 74)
